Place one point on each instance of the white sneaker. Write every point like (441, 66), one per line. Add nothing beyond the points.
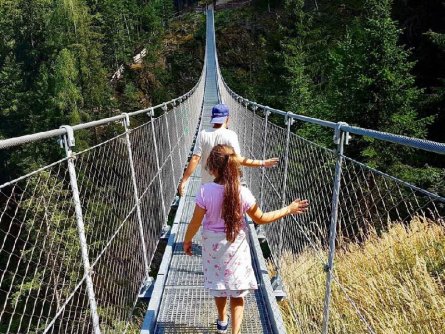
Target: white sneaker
(221, 327)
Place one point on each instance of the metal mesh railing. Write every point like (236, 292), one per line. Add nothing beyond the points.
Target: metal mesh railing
(388, 235)
(77, 236)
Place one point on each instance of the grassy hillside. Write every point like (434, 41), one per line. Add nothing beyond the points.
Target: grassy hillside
(396, 281)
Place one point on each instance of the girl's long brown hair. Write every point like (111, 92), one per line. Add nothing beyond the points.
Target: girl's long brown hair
(223, 164)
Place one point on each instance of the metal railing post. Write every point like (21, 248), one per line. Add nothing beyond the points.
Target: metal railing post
(234, 119)
(340, 138)
(189, 118)
(254, 108)
(184, 130)
(263, 173)
(178, 139)
(69, 142)
(260, 228)
(246, 104)
(289, 121)
(164, 107)
(191, 115)
(277, 283)
(151, 113)
(126, 123)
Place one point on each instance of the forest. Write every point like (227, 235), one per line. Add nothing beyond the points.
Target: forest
(58, 58)
(375, 64)
(68, 62)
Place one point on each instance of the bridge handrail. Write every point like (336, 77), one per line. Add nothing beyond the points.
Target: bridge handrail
(16, 141)
(418, 143)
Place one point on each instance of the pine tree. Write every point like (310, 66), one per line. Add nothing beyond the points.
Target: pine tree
(67, 95)
(370, 82)
(295, 58)
(72, 28)
(436, 99)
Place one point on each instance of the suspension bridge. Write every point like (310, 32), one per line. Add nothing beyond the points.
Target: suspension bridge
(78, 236)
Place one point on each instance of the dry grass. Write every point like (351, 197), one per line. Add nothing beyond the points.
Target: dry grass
(396, 281)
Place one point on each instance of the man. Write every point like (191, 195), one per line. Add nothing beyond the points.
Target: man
(207, 139)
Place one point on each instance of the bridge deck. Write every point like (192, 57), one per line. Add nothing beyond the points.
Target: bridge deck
(186, 307)
(180, 304)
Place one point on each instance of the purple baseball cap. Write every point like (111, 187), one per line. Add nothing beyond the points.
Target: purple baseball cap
(220, 112)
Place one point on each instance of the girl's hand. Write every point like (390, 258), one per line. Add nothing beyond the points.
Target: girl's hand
(298, 206)
(187, 245)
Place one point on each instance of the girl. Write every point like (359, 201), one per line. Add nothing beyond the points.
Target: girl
(226, 258)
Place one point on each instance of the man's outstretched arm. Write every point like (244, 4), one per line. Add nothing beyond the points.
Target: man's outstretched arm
(193, 163)
(257, 163)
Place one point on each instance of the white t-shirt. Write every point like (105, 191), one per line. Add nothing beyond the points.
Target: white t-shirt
(207, 139)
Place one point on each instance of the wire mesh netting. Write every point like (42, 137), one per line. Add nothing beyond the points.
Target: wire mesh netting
(40, 266)
(389, 244)
(126, 185)
(396, 233)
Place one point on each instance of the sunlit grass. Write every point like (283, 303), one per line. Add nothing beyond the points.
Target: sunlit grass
(394, 281)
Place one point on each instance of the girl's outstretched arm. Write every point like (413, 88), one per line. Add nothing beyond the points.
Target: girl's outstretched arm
(260, 217)
(193, 227)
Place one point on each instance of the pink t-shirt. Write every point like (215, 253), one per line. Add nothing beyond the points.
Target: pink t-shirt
(210, 198)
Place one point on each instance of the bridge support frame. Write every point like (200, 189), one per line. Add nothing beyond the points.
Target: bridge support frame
(151, 113)
(170, 146)
(177, 133)
(182, 111)
(277, 282)
(260, 229)
(340, 138)
(126, 123)
(252, 137)
(68, 142)
(263, 172)
(244, 135)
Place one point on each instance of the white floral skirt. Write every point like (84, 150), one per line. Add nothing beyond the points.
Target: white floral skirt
(227, 265)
